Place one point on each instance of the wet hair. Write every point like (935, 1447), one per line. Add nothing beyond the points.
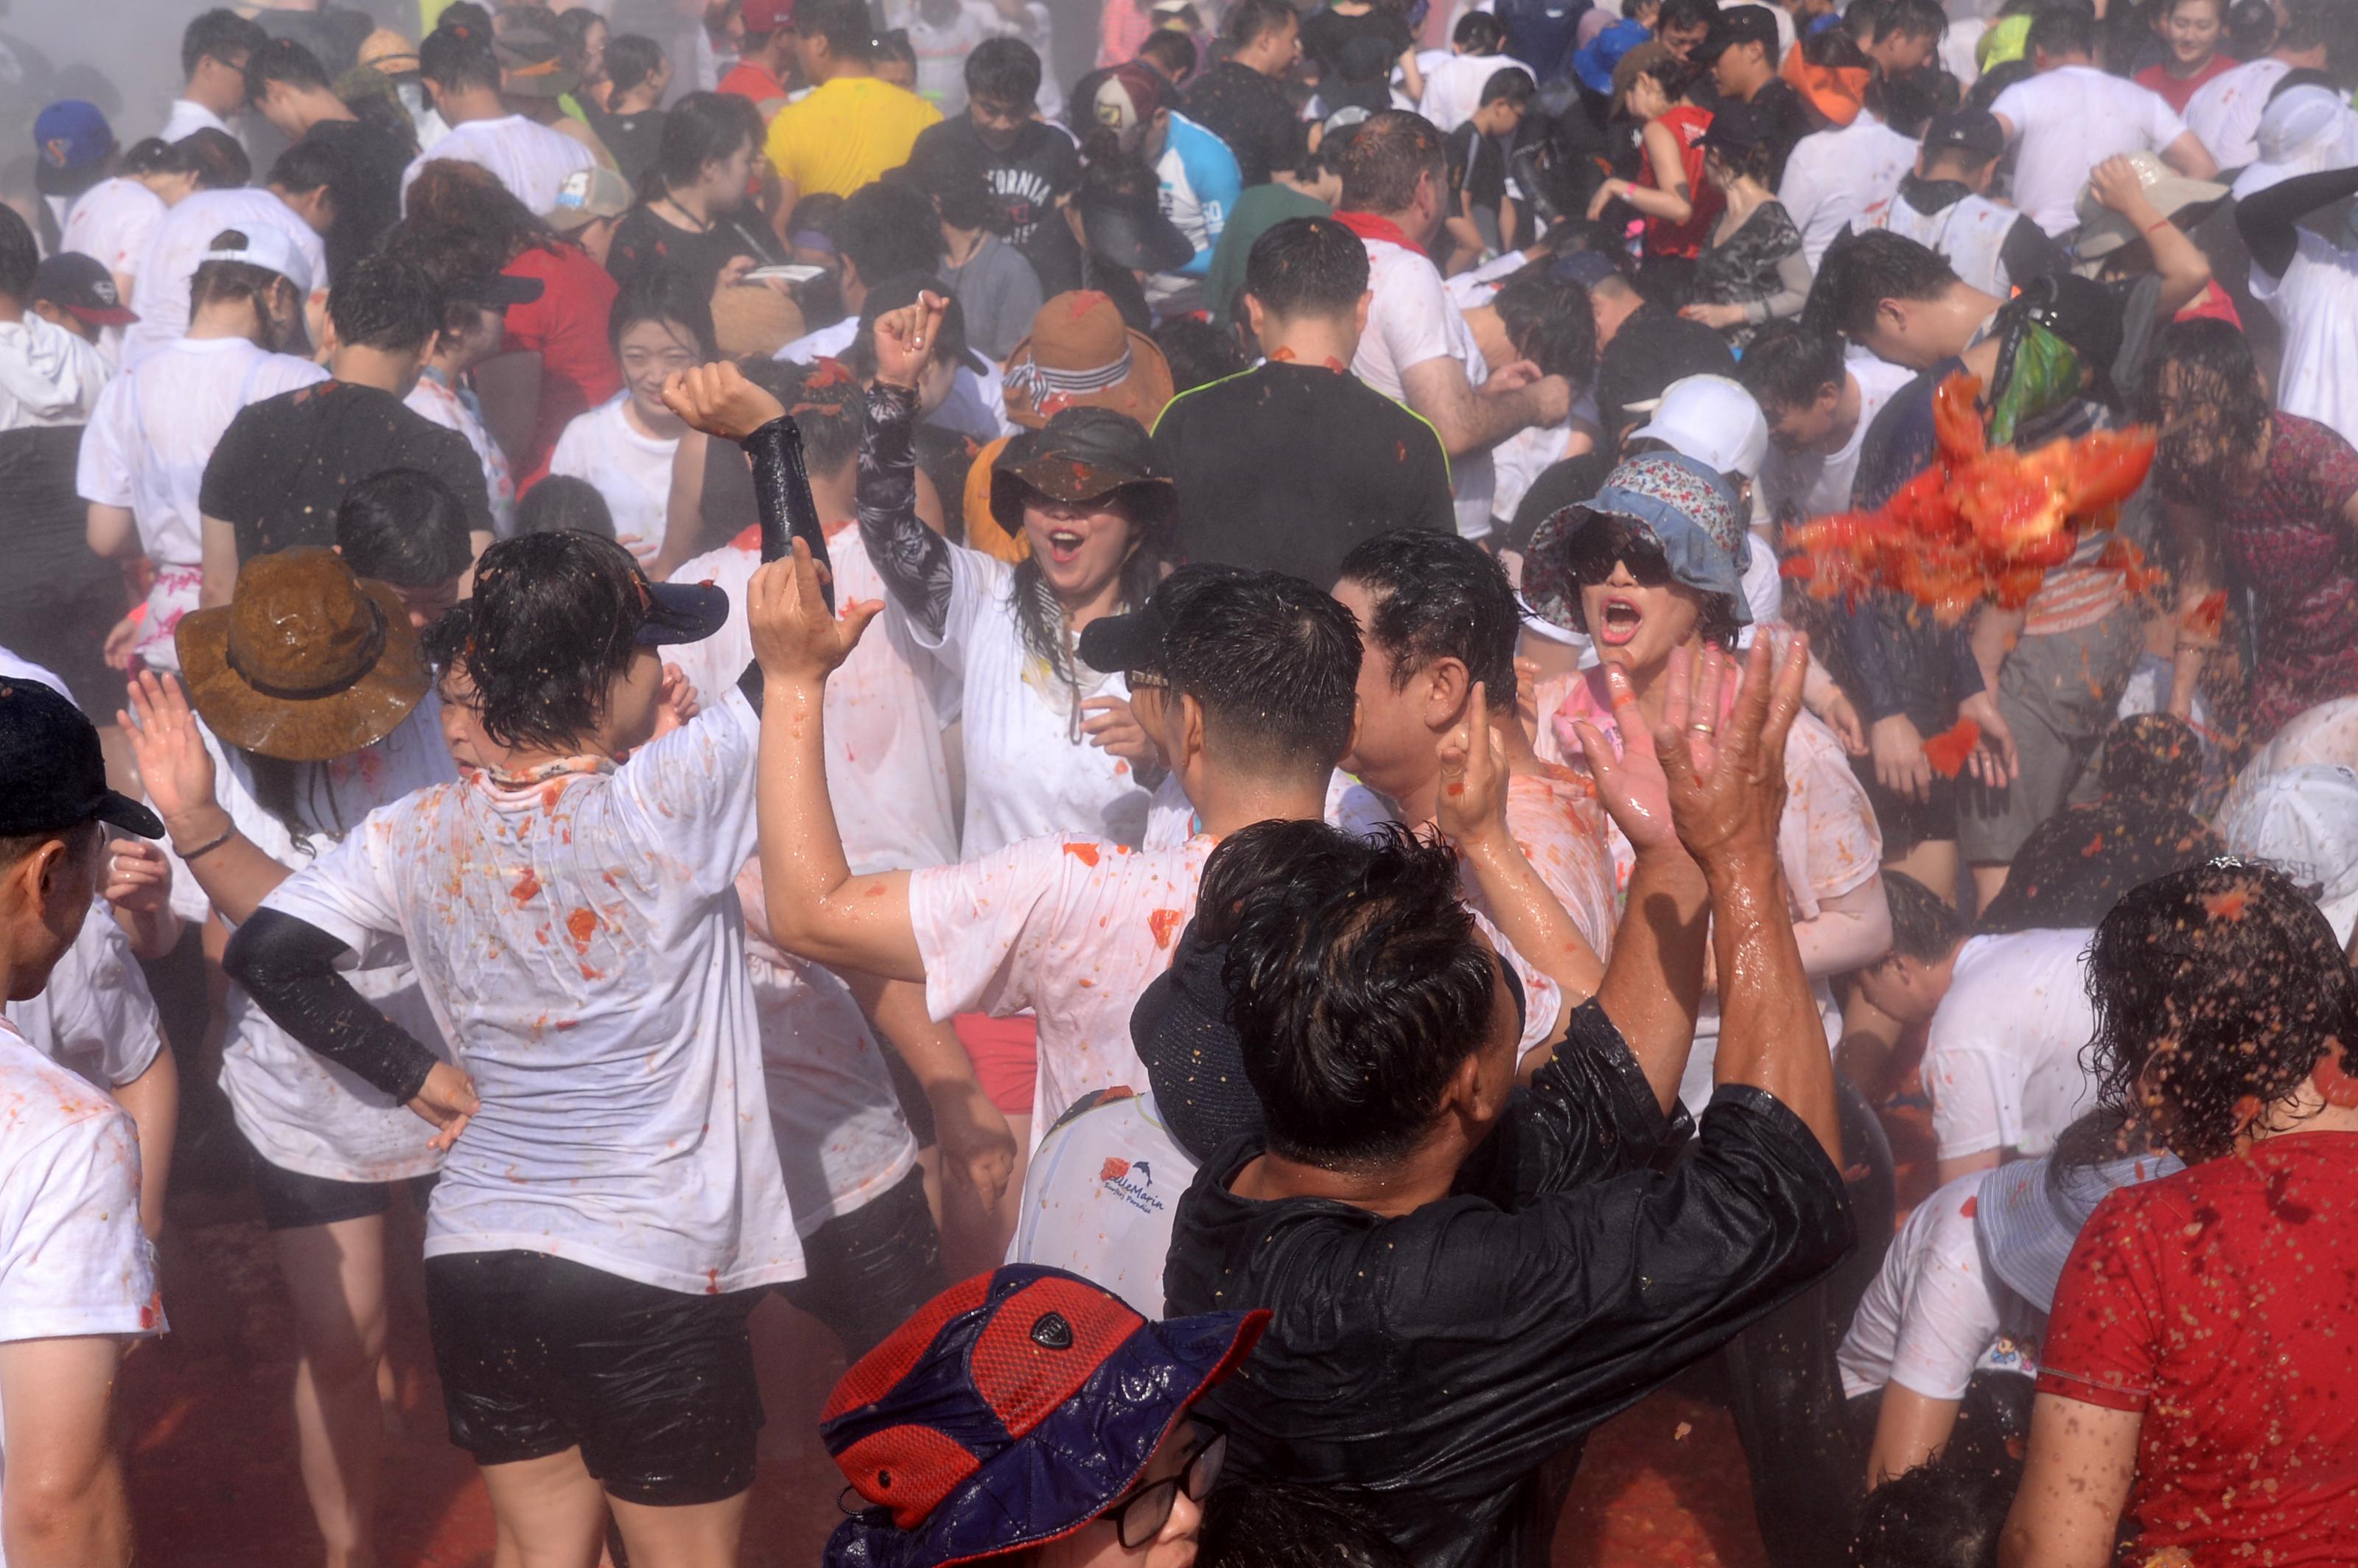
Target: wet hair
(573, 29)
(2309, 23)
(1674, 76)
(632, 60)
(2223, 982)
(20, 256)
(1355, 985)
(955, 174)
(1281, 1524)
(1197, 353)
(1648, 355)
(1438, 596)
(1232, 638)
(1389, 153)
(1307, 267)
(825, 402)
(465, 211)
(1685, 16)
(215, 158)
(149, 155)
(444, 644)
(1479, 32)
(220, 34)
(2059, 30)
(1511, 84)
(701, 128)
(1861, 270)
(1907, 104)
(2152, 758)
(283, 60)
(1789, 364)
(1753, 161)
(2251, 28)
(664, 294)
(216, 282)
(456, 56)
(559, 501)
(1005, 70)
(1922, 928)
(1173, 51)
(844, 24)
(1549, 321)
(893, 44)
(555, 625)
(2167, 8)
(384, 302)
(1250, 20)
(1940, 1515)
(1912, 19)
(312, 164)
(405, 528)
(2224, 407)
(886, 229)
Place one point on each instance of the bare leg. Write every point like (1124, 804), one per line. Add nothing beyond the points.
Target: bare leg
(336, 1275)
(551, 1512)
(699, 1535)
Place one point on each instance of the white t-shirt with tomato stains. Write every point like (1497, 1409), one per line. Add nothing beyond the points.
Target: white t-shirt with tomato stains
(577, 933)
(1827, 841)
(300, 1111)
(888, 772)
(1070, 929)
(631, 471)
(73, 1261)
(1935, 1314)
(842, 1140)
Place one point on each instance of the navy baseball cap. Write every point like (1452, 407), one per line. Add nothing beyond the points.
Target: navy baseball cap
(680, 612)
(52, 773)
(1975, 131)
(82, 287)
(1010, 1410)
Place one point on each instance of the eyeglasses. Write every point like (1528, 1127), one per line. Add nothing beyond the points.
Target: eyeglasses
(1140, 1517)
(1607, 542)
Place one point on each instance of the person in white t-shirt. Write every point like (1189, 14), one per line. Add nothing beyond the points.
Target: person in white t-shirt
(186, 237)
(2225, 111)
(2308, 281)
(1454, 82)
(611, 1204)
(1417, 348)
(625, 445)
(253, 784)
(143, 459)
(1843, 175)
(77, 1275)
(462, 76)
(2002, 1047)
(214, 48)
(2070, 116)
(113, 222)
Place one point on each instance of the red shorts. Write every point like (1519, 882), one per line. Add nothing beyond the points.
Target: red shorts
(1006, 1056)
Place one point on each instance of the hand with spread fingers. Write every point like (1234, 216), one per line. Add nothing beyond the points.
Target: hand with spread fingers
(717, 400)
(1728, 800)
(794, 637)
(1632, 785)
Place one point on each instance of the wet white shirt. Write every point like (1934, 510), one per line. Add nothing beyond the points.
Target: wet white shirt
(1814, 484)
(49, 376)
(2316, 301)
(527, 158)
(96, 1015)
(2225, 111)
(578, 935)
(2002, 1056)
(1842, 174)
(1100, 1197)
(113, 222)
(2068, 120)
(187, 117)
(1411, 320)
(630, 469)
(1935, 1314)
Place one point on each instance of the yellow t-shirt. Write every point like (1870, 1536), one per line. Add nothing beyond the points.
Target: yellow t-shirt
(845, 134)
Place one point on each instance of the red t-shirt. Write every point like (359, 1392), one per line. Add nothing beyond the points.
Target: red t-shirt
(2222, 1303)
(566, 327)
(751, 81)
(2176, 90)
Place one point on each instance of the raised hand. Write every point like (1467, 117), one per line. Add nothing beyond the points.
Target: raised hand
(717, 400)
(447, 1099)
(139, 877)
(1631, 784)
(1472, 803)
(906, 340)
(174, 766)
(1727, 805)
(794, 637)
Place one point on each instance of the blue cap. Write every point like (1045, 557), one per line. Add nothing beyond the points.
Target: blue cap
(71, 133)
(1595, 62)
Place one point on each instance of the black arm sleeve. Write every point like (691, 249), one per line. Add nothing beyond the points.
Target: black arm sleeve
(2266, 219)
(912, 558)
(782, 494)
(288, 967)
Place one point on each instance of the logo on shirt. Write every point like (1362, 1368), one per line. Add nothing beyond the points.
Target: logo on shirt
(1133, 1184)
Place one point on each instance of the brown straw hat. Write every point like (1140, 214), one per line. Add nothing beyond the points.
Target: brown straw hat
(1080, 355)
(305, 662)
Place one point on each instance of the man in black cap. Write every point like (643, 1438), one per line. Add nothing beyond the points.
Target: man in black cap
(1742, 51)
(1945, 206)
(77, 1275)
(76, 292)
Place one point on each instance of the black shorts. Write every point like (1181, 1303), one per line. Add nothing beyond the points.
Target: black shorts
(870, 1270)
(539, 1355)
(292, 1201)
(1907, 823)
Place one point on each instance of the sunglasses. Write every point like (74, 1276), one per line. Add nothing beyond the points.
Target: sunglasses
(1139, 1516)
(1608, 542)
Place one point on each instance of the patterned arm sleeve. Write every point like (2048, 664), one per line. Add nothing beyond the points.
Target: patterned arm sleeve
(912, 558)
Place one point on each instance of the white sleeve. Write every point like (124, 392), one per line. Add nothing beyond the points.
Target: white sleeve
(2016, 106)
(73, 1261)
(101, 475)
(1951, 1317)
(1801, 191)
(971, 919)
(693, 788)
(2165, 125)
(99, 1010)
(348, 893)
(1413, 323)
(283, 372)
(978, 587)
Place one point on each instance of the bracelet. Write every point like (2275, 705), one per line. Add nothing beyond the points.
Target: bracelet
(2161, 222)
(208, 847)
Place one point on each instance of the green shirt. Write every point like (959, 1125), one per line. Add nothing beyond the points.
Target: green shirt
(1259, 210)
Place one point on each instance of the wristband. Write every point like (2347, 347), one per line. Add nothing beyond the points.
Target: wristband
(208, 847)
(2161, 222)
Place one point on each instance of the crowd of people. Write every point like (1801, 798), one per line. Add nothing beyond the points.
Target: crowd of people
(1122, 695)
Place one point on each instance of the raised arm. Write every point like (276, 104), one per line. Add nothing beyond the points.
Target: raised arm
(913, 560)
(2181, 265)
(1469, 421)
(178, 771)
(2268, 219)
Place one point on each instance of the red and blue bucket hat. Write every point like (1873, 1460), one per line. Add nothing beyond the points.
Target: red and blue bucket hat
(1009, 1410)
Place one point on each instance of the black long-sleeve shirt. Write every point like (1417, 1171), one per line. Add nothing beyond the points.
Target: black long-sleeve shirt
(1430, 1364)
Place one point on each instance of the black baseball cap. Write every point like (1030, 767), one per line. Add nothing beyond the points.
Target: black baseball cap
(1739, 25)
(1975, 131)
(681, 613)
(1736, 126)
(1164, 637)
(82, 287)
(52, 773)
